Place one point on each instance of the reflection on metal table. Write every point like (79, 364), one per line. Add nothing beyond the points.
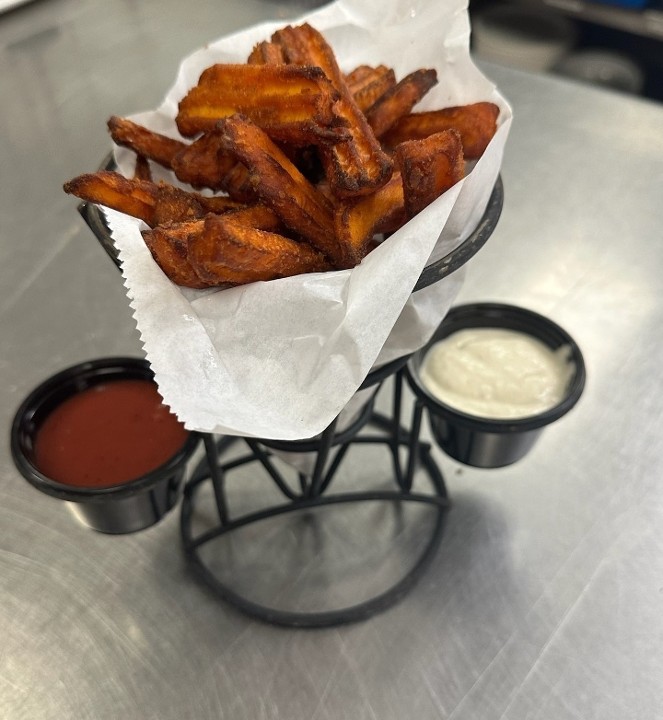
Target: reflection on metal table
(545, 597)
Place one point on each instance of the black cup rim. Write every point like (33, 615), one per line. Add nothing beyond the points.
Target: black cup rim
(500, 315)
(76, 378)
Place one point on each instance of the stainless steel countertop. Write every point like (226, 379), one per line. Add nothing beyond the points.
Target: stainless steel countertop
(546, 598)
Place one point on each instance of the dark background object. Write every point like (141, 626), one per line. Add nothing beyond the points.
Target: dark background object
(633, 29)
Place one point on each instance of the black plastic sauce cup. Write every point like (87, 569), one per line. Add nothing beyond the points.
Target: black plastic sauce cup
(123, 508)
(484, 442)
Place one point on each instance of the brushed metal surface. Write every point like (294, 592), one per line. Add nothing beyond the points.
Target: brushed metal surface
(546, 599)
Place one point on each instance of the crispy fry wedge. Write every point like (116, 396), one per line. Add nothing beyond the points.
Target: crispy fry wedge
(357, 166)
(142, 141)
(201, 164)
(153, 203)
(169, 245)
(292, 104)
(217, 204)
(205, 164)
(357, 221)
(239, 185)
(367, 84)
(259, 217)
(266, 53)
(429, 167)
(281, 185)
(399, 100)
(142, 169)
(359, 76)
(176, 205)
(137, 198)
(476, 124)
(231, 251)
(173, 205)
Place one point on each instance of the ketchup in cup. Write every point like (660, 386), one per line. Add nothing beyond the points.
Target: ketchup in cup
(108, 434)
(99, 436)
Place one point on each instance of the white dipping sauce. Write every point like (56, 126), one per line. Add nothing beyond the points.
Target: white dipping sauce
(496, 373)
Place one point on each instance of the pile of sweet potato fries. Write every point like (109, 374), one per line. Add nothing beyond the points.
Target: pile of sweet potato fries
(307, 165)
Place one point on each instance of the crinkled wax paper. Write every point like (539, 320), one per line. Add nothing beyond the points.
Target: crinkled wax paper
(281, 359)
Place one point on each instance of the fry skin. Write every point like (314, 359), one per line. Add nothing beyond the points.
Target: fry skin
(358, 77)
(201, 164)
(266, 53)
(231, 250)
(137, 198)
(358, 165)
(357, 221)
(142, 141)
(217, 204)
(169, 246)
(367, 84)
(292, 104)
(429, 167)
(476, 123)
(281, 185)
(153, 203)
(399, 100)
(142, 170)
(206, 164)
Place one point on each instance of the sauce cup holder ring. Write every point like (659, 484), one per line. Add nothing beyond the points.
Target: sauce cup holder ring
(121, 508)
(484, 442)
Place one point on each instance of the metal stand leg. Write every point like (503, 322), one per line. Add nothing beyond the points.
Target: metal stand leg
(311, 494)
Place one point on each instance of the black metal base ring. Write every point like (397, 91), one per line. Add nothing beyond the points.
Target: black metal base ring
(354, 613)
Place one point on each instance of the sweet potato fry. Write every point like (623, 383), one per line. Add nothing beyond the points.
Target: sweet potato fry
(429, 167)
(137, 198)
(239, 185)
(357, 166)
(356, 221)
(142, 141)
(153, 203)
(142, 169)
(205, 164)
(258, 217)
(399, 100)
(231, 251)
(476, 124)
(358, 77)
(201, 164)
(169, 245)
(217, 204)
(281, 185)
(173, 205)
(266, 53)
(367, 84)
(292, 104)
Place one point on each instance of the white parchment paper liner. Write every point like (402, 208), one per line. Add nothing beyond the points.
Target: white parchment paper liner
(281, 359)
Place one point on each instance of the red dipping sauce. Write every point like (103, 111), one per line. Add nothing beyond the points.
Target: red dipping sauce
(107, 435)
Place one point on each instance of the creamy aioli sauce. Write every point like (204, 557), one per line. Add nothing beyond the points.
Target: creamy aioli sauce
(496, 373)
